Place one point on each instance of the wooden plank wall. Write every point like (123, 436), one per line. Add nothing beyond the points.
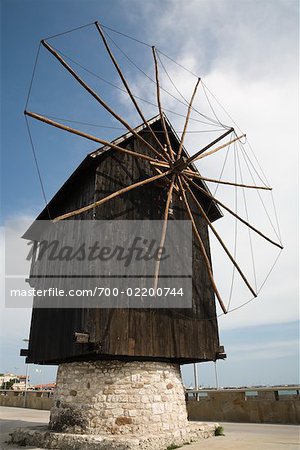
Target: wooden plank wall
(182, 335)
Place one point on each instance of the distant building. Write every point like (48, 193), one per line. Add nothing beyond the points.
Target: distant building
(19, 381)
(44, 387)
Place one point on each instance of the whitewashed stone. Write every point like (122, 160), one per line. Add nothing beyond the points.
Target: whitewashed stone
(117, 397)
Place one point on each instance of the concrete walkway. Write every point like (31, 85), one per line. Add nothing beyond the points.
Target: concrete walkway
(238, 436)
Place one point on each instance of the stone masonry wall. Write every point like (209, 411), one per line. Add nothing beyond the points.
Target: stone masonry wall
(115, 397)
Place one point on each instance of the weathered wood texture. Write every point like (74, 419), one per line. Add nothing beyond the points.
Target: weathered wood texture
(182, 335)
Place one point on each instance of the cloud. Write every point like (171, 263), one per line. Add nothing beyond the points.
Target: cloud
(270, 350)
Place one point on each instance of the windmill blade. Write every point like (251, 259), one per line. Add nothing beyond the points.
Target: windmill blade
(230, 183)
(214, 199)
(110, 196)
(112, 57)
(211, 152)
(220, 240)
(187, 120)
(87, 136)
(96, 96)
(162, 117)
(202, 248)
(194, 157)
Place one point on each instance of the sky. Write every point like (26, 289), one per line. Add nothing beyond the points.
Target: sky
(247, 55)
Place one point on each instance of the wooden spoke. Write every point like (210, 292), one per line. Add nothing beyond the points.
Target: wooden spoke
(194, 157)
(162, 118)
(88, 136)
(160, 164)
(203, 155)
(112, 57)
(213, 180)
(219, 239)
(164, 229)
(113, 195)
(96, 96)
(187, 120)
(214, 199)
(202, 248)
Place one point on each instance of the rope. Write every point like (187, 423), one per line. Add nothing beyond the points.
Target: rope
(37, 167)
(219, 179)
(123, 90)
(220, 104)
(69, 31)
(33, 74)
(178, 64)
(276, 216)
(125, 35)
(120, 128)
(211, 107)
(153, 81)
(235, 229)
(254, 168)
(247, 216)
(186, 101)
(259, 195)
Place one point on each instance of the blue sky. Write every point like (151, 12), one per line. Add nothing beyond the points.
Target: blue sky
(251, 67)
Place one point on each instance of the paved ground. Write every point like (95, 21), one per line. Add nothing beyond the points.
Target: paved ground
(238, 436)
(252, 436)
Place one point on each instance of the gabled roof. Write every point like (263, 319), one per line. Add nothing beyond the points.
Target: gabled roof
(214, 212)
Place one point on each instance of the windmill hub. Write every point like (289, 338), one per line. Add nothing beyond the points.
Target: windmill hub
(179, 165)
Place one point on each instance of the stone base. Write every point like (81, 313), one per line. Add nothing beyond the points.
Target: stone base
(118, 397)
(116, 405)
(41, 437)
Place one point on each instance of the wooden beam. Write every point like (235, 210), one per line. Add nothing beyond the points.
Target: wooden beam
(110, 196)
(202, 248)
(219, 148)
(213, 180)
(162, 118)
(96, 96)
(192, 158)
(87, 136)
(187, 120)
(220, 239)
(214, 199)
(124, 81)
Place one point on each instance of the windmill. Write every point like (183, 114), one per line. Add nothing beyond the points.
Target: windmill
(162, 182)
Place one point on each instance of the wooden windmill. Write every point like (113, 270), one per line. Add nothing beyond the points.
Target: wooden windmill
(119, 367)
(160, 169)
